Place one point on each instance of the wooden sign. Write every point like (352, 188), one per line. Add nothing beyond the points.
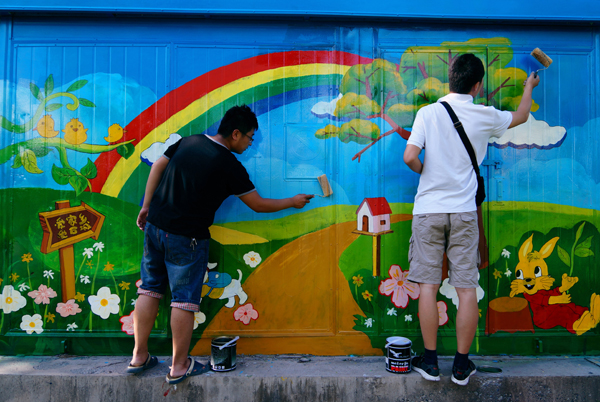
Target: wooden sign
(64, 227)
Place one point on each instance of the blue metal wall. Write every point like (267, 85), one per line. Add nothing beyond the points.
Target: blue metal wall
(134, 64)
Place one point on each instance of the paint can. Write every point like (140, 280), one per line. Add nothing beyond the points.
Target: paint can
(222, 356)
(398, 355)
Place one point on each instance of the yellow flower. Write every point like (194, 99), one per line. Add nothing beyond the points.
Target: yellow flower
(1, 280)
(49, 317)
(89, 264)
(26, 257)
(14, 277)
(124, 285)
(367, 295)
(79, 297)
(109, 267)
(497, 274)
(479, 313)
(357, 280)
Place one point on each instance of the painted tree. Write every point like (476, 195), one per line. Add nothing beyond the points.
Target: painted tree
(383, 94)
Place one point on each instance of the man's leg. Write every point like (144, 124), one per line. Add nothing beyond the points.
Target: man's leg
(427, 364)
(144, 315)
(182, 326)
(428, 314)
(466, 319)
(466, 325)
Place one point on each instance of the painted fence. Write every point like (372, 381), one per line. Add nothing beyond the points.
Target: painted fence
(90, 102)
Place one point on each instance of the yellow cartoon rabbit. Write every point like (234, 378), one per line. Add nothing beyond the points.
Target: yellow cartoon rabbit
(551, 308)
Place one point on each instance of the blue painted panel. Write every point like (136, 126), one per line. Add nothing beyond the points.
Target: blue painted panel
(582, 10)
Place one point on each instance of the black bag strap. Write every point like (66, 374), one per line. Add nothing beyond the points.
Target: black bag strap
(463, 136)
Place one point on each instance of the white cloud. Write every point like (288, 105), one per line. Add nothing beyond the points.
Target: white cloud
(532, 134)
(450, 291)
(156, 150)
(325, 109)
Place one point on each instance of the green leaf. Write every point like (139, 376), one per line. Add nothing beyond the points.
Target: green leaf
(89, 170)
(359, 131)
(39, 149)
(79, 184)
(584, 252)
(579, 232)
(17, 164)
(564, 256)
(36, 91)
(49, 85)
(354, 106)
(29, 161)
(76, 85)
(329, 131)
(61, 175)
(587, 243)
(126, 150)
(53, 107)
(87, 103)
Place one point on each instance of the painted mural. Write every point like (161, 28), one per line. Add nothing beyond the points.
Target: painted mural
(77, 147)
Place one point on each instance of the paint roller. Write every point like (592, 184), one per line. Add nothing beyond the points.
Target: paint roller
(324, 186)
(542, 58)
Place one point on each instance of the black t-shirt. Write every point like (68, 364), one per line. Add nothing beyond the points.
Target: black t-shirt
(200, 175)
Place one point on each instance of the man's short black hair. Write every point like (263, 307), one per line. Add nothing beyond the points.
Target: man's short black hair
(466, 70)
(238, 117)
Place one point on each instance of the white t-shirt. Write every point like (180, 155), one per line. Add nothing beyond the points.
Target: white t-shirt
(448, 182)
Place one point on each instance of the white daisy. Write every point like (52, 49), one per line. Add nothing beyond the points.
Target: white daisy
(104, 303)
(31, 324)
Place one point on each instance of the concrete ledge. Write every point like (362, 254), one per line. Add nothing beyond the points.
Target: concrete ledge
(284, 378)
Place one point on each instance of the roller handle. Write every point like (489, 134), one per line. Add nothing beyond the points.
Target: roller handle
(229, 343)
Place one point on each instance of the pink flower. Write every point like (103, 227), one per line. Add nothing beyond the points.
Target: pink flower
(442, 312)
(68, 308)
(127, 321)
(42, 295)
(245, 313)
(399, 287)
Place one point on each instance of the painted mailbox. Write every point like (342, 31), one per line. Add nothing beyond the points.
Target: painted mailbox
(89, 103)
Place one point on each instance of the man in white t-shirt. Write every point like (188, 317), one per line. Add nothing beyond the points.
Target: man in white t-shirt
(445, 214)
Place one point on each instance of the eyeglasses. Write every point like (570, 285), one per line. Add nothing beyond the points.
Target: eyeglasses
(250, 138)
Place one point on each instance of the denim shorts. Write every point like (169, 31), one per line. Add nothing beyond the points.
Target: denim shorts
(455, 234)
(176, 261)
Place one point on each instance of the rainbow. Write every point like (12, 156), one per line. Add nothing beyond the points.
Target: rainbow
(263, 82)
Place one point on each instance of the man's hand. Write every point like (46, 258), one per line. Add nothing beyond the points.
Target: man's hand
(301, 200)
(141, 219)
(533, 80)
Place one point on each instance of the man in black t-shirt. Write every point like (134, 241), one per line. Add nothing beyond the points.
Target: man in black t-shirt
(185, 188)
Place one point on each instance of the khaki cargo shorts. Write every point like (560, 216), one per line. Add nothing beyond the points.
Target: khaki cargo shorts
(457, 234)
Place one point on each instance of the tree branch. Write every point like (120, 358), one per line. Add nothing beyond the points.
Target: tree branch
(359, 111)
(395, 129)
(422, 69)
(495, 59)
(359, 135)
(495, 91)
(387, 98)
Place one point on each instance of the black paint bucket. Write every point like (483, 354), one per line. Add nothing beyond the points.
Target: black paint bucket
(222, 356)
(398, 355)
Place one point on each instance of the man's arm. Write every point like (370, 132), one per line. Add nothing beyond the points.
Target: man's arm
(522, 113)
(259, 204)
(154, 178)
(411, 158)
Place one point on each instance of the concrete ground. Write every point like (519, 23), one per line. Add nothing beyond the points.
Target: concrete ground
(297, 378)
